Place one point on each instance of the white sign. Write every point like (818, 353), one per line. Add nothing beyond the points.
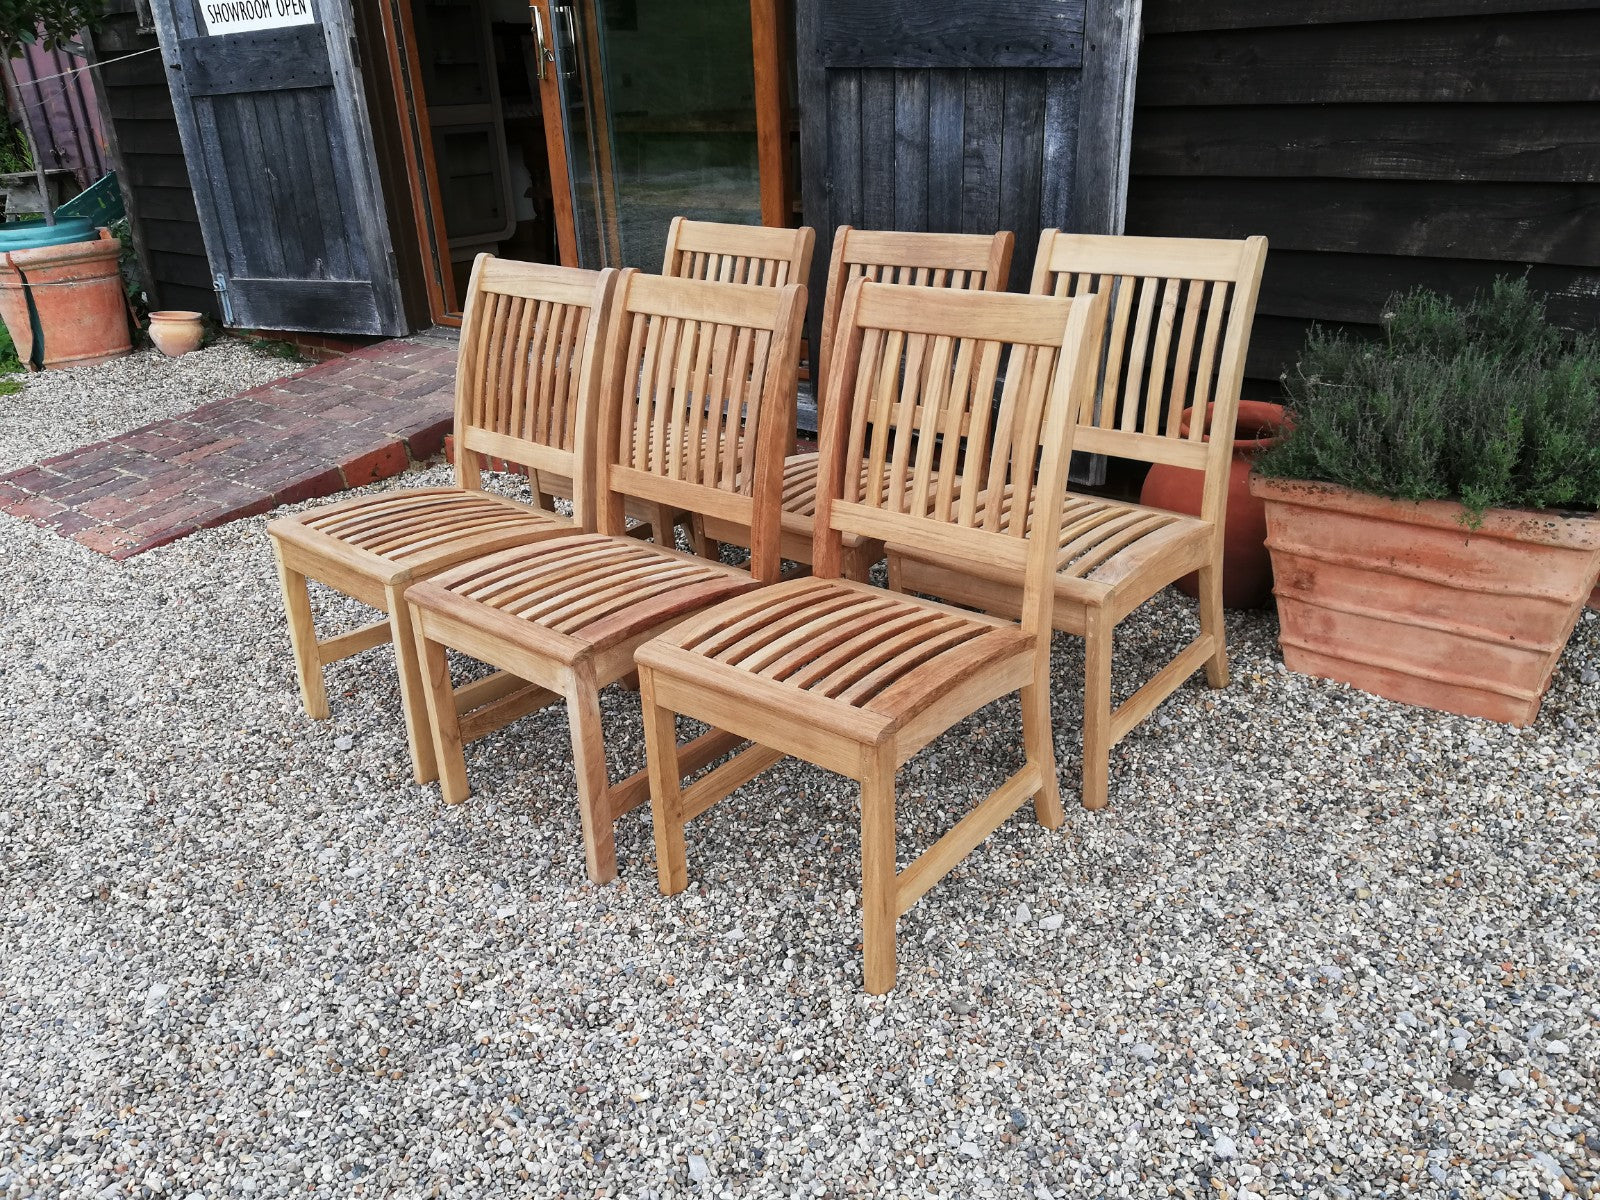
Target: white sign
(242, 16)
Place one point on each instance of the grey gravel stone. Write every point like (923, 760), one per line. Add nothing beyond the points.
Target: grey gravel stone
(239, 961)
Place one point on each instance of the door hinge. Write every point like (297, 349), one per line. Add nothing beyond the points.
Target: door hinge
(220, 286)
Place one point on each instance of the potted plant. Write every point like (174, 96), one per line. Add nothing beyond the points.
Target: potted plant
(1431, 509)
(61, 294)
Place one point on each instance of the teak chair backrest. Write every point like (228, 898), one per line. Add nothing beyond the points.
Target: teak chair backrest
(913, 373)
(1179, 317)
(697, 403)
(527, 376)
(961, 261)
(728, 253)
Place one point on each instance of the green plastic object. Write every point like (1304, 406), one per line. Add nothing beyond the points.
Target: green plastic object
(30, 235)
(101, 204)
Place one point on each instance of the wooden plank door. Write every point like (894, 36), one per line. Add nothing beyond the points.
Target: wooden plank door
(950, 116)
(276, 134)
(955, 117)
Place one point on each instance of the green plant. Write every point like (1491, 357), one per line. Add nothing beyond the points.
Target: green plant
(49, 23)
(276, 348)
(14, 156)
(132, 272)
(1486, 403)
(9, 361)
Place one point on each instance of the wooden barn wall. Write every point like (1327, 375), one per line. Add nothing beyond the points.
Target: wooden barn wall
(1377, 146)
(143, 132)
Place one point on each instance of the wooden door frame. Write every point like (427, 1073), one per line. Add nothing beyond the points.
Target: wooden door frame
(772, 47)
(555, 134)
(771, 44)
(422, 172)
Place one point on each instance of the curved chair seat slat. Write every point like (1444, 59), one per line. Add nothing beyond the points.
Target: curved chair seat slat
(576, 596)
(848, 657)
(420, 530)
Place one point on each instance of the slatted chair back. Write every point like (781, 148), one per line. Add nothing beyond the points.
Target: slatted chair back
(727, 253)
(1179, 317)
(698, 401)
(979, 262)
(528, 376)
(944, 469)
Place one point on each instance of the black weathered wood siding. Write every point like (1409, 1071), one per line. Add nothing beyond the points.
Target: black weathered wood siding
(948, 116)
(137, 114)
(1377, 146)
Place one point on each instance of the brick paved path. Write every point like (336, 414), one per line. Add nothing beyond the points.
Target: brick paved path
(344, 423)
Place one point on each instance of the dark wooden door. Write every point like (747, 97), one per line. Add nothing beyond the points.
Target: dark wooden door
(280, 151)
(962, 117)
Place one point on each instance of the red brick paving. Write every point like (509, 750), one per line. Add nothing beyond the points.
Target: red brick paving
(342, 424)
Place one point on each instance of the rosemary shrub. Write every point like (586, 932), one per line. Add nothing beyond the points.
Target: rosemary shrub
(1488, 404)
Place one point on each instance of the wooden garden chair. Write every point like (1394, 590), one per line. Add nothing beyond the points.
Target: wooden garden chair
(855, 679)
(959, 261)
(1179, 326)
(727, 253)
(695, 412)
(526, 375)
(757, 254)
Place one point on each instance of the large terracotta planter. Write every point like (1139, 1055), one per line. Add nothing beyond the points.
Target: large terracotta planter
(1246, 569)
(64, 304)
(1399, 598)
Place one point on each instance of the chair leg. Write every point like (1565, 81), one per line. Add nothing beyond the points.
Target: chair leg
(662, 530)
(1038, 739)
(897, 582)
(541, 499)
(589, 761)
(878, 899)
(1096, 708)
(449, 758)
(666, 789)
(303, 641)
(857, 565)
(1211, 621)
(419, 735)
(703, 546)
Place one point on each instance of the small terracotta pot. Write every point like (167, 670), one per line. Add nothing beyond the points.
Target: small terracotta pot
(1399, 598)
(176, 331)
(1246, 567)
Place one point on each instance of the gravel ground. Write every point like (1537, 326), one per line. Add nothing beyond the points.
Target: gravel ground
(1320, 945)
(57, 410)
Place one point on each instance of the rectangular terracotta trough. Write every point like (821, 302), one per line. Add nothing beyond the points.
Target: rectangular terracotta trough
(1401, 599)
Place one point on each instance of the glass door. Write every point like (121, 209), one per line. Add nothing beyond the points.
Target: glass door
(656, 105)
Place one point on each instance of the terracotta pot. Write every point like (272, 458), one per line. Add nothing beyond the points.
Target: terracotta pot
(64, 305)
(1246, 567)
(1399, 598)
(176, 331)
